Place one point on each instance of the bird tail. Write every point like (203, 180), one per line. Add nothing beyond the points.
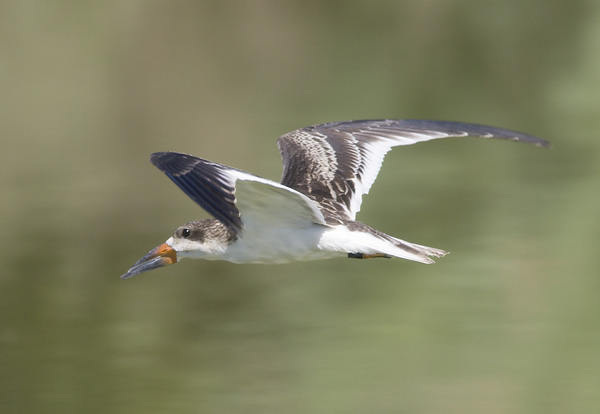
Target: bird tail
(413, 251)
(374, 243)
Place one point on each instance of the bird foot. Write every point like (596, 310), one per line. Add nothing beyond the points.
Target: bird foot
(367, 256)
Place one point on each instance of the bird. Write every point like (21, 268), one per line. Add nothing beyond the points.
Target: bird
(311, 213)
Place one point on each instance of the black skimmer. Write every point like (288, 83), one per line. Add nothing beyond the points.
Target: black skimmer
(311, 213)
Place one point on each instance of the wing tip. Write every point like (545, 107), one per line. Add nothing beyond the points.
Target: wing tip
(174, 163)
(157, 156)
(543, 143)
(161, 158)
(529, 139)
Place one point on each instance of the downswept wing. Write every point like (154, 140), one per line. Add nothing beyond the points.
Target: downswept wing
(235, 197)
(336, 163)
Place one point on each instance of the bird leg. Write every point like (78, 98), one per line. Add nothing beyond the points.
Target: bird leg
(367, 256)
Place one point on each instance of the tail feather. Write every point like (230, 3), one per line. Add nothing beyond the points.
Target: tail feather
(416, 252)
(360, 241)
(375, 241)
(406, 250)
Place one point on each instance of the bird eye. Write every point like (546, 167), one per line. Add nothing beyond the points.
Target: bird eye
(186, 233)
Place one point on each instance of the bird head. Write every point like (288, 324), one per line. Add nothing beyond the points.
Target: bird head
(202, 239)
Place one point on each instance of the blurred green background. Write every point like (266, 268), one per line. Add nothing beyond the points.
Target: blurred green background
(508, 323)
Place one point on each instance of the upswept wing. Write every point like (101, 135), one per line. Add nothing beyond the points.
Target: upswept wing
(235, 197)
(336, 163)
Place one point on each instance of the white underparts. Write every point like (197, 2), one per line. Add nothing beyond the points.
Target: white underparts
(283, 245)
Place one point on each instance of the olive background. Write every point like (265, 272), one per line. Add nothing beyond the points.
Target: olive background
(507, 323)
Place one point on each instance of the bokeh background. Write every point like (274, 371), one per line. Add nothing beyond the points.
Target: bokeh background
(508, 323)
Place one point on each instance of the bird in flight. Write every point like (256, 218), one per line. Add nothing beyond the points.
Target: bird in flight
(311, 213)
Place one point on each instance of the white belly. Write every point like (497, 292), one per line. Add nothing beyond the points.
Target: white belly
(280, 246)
